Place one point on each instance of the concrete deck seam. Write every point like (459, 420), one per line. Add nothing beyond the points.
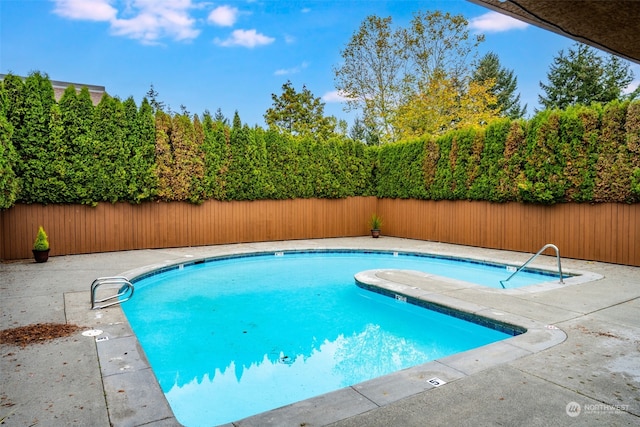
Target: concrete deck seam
(611, 306)
(366, 397)
(588, 313)
(104, 388)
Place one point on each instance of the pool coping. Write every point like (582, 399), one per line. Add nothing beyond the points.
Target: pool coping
(571, 277)
(127, 372)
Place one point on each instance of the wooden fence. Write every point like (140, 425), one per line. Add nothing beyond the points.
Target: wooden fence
(608, 232)
(599, 232)
(78, 229)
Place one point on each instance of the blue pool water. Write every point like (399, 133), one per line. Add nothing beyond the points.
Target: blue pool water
(233, 337)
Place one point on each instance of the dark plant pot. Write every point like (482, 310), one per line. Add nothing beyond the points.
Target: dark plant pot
(41, 256)
(375, 233)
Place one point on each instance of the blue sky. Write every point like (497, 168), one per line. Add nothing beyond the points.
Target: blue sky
(233, 54)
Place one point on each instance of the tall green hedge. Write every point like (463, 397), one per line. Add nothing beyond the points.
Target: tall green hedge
(71, 151)
(9, 184)
(633, 144)
(485, 184)
(582, 154)
(399, 170)
(77, 113)
(216, 150)
(614, 163)
(31, 139)
(141, 174)
(544, 181)
(581, 132)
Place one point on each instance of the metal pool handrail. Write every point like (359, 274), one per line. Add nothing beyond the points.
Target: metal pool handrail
(126, 289)
(545, 247)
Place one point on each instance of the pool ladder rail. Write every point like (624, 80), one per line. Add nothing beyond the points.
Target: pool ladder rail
(544, 248)
(126, 291)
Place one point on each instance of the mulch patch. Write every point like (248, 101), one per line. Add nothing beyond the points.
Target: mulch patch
(38, 333)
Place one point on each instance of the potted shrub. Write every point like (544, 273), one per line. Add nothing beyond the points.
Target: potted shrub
(41, 246)
(375, 223)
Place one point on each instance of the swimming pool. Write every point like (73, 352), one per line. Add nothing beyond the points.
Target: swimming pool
(204, 329)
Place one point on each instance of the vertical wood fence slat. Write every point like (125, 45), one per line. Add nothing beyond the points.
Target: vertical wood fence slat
(634, 237)
(601, 232)
(622, 247)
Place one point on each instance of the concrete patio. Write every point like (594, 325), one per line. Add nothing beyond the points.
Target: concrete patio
(579, 364)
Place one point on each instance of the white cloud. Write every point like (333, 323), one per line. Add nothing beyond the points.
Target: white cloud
(157, 21)
(144, 20)
(294, 70)
(90, 10)
(305, 10)
(224, 16)
(288, 39)
(494, 22)
(245, 38)
(334, 96)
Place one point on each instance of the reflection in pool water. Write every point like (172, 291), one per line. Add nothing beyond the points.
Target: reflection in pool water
(330, 366)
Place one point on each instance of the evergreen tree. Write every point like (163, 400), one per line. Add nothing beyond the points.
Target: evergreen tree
(614, 167)
(358, 131)
(580, 127)
(246, 173)
(57, 164)
(282, 165)
(544, 180)
(364, 132)
(9, 184)
(32, 142)
(130, 135)
(504, 89)
(110, 153)
(220, 118)
(13, 102)
(188, 167)
(216, 149)
(632, 125)
(617, 76)
(299, 113)
(164, 155)
(144, 153)
(152, 96)
(237, 123)
(582, 77)
(491, 162)
(198, 182)
(139, 150)
(77, 113)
